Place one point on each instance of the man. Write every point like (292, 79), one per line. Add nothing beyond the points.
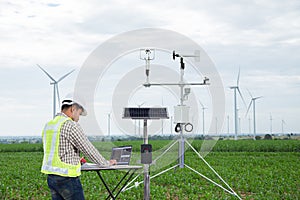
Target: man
(63, 140)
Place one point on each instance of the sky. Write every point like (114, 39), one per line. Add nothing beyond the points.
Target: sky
(259, 38)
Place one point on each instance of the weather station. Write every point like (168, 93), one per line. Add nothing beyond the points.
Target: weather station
(181, 119)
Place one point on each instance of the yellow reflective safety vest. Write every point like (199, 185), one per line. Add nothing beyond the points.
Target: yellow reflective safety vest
(51, 161)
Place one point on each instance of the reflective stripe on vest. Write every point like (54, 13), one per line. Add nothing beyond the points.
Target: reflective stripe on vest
(51, 161)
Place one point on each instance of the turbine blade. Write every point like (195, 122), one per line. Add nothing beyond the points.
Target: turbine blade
(46, 73)
(57, 92)
(238, 78)
(250, 93)
(242, 97)
(65, 75)
(248, 108)
(201, 104)
(257, 97)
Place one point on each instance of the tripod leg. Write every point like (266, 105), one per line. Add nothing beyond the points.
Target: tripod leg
(215, 172)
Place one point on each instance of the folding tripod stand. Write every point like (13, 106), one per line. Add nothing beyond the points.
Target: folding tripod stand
(181, 164)
(182, 121)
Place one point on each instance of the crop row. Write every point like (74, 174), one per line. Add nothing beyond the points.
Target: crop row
(253, 175)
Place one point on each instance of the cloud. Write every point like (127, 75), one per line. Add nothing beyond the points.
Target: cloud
(261, 37)
(44, 38)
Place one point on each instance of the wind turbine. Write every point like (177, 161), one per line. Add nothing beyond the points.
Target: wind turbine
(271, 125)
(253, 99)
(282, 123)
(240, 126)
(55, 87)
(203, 108)
(108, 124)
(249, 120)
(236, 88)
(228, 125)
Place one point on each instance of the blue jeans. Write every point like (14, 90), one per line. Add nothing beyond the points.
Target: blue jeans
(65, 187)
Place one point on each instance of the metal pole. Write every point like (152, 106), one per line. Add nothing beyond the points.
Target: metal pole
(181, 148)
(146, 167)
(147, 68)
(145, 132)
(181, 143)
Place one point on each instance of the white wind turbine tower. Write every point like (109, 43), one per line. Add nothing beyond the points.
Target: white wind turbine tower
(55, 87)
(228, 125)
(253, 99)
(271, 124)
(203, 118)
(282, 124)
(236, 88)
(108, 123)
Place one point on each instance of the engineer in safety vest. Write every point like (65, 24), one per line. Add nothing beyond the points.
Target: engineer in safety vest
(63, 140)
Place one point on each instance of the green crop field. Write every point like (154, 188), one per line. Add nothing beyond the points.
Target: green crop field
(265, 169)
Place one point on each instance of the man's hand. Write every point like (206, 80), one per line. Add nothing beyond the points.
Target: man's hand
(82, 160)
(112, 162)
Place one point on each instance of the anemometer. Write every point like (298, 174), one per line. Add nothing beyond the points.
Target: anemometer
(181, 111)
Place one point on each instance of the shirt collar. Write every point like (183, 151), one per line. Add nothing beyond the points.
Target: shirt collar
(62, 114)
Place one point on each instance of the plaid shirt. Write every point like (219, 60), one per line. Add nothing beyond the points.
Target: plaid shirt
(72, 140)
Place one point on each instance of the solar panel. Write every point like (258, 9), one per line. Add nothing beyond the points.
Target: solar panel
(145, 113)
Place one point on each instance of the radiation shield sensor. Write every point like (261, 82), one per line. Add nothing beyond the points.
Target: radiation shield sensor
(181, 114)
